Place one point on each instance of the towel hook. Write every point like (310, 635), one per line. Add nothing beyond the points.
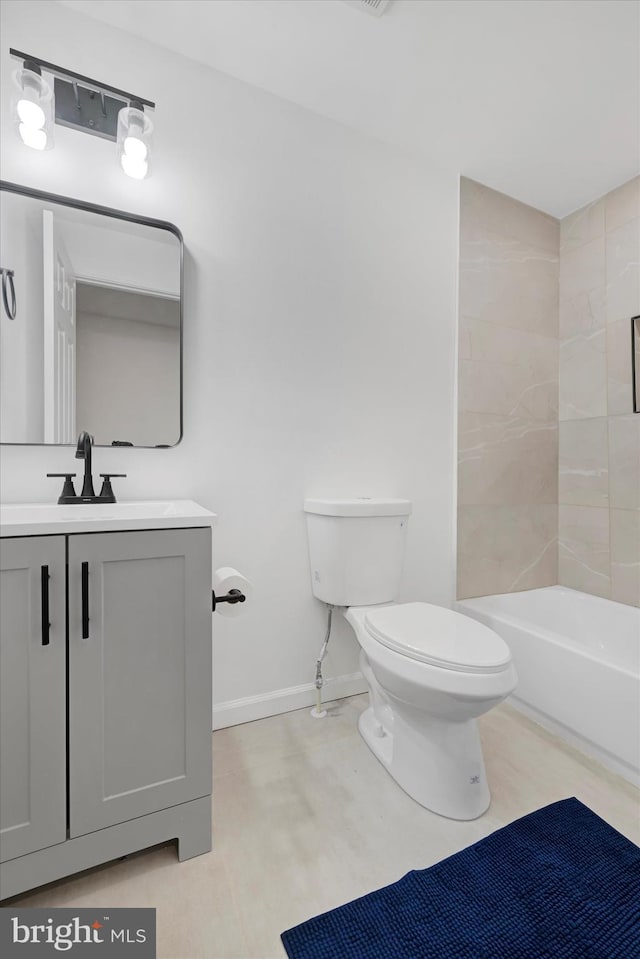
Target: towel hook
(8, 298)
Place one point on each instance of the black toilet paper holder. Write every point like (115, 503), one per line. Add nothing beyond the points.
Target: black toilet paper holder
(233, 596)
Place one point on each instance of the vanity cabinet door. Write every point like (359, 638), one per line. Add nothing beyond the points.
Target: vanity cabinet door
(32, 695)
(139, 673)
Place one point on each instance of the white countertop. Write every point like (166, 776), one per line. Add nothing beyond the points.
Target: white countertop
(44, 519)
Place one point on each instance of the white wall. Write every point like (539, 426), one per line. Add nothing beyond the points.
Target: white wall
(128, 380)
(319, 330)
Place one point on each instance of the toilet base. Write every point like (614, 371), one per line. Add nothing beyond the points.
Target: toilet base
(439, 764)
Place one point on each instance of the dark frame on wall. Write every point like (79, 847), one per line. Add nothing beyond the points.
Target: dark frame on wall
(8, 187)
(635, 373)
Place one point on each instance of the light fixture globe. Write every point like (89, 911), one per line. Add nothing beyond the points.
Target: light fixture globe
(134, 167)
(31, 114)
(136, 148)
(34, 107)
(36, 139)
(135, 131)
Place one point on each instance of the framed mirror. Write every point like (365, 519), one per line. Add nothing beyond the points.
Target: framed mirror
(90, 323)
(635, 362)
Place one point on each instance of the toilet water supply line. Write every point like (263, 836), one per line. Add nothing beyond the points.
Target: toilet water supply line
(318, 712)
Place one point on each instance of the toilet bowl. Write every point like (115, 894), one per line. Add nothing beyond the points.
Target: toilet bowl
(430, 671)
(430, 674)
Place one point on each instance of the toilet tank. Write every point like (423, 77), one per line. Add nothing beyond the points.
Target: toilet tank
(356, 549)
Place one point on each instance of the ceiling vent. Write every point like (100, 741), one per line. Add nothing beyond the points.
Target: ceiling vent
(375, 7)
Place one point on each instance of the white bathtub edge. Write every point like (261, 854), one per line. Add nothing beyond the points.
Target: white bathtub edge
(614, 765)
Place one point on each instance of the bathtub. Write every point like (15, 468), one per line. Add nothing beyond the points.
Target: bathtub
(578, 663)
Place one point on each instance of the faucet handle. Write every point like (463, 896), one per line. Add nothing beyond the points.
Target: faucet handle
(68, 489)
(106, 493)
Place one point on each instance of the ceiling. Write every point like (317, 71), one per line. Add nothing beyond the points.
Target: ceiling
(118, 303)
(537, 98)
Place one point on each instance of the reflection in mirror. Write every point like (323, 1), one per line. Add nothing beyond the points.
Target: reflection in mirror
(127, 345)
(96, 339)
(635, 362)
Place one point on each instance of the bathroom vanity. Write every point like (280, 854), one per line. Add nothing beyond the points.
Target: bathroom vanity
(105, 685)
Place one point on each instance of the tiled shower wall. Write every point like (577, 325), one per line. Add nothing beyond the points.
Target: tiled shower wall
(528, 517)
(599, 489)
(508, 395)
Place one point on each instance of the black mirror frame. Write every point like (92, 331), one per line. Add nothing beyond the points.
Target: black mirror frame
(635, 373)
(6, 186)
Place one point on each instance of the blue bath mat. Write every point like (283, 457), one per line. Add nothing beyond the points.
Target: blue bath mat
(558, 884)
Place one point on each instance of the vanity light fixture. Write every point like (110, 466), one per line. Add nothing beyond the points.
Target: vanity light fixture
(134, 140)
(34, 107)
(83, 104)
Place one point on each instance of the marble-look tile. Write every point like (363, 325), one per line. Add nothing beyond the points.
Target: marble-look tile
(510, 283)
(619, 376)
(506, 548)
(584, 463)
(583, 549)
(507, 371)
(582, 269)
(507, 389)
(484, 210)
(623, 271)
(624, 461)
(582, 314)
(625, 556)
(622, 204)
(506, 460)
(583, 376)
(536, 354)
(582, 226)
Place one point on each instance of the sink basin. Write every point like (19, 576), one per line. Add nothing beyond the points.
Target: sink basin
(42, 519)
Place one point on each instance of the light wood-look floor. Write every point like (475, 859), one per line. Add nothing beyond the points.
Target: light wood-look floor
(305, 818)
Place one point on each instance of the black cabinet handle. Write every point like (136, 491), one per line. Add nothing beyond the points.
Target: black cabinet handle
(85, 601)
(44, 593)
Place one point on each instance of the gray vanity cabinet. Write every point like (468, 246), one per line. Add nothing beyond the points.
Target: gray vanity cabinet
(105, 701)
(139, 674)
(32, 695)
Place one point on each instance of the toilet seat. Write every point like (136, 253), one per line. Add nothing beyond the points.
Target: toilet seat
(439, 637)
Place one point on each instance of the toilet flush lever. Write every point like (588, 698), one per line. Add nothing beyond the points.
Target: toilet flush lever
(233, 596)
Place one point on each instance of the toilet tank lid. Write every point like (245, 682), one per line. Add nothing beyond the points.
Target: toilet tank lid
(358, 506)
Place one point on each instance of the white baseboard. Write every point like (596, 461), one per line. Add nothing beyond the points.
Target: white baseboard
(245, 710)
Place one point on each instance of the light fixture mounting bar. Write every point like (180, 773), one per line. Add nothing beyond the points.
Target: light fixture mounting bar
(83, 109)
(63, 74)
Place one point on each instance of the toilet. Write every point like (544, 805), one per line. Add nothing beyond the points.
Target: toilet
(430, 671)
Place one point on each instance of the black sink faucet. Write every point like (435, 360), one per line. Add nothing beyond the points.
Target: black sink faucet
(68, 495)
(83, 452)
